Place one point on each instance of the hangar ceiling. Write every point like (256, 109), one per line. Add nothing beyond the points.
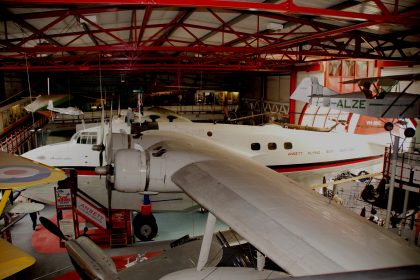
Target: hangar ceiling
(202, 35)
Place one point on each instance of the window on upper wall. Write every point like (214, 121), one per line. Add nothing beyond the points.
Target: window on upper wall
(288, 145)
(255, 146)
(272, 146)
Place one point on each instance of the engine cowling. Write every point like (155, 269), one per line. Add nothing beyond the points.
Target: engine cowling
(132, 170)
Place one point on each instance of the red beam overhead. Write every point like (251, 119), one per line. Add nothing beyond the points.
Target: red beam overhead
(208, 35)
(287, 6)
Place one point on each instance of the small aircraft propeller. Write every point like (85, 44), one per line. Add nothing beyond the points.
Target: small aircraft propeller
(101, 158)
(53, 228)
(108, 169)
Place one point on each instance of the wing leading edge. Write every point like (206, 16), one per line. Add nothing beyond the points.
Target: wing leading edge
(301, 231)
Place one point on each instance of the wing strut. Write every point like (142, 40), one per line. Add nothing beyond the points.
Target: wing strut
(4, 199)
(206, 244)
(398, 97)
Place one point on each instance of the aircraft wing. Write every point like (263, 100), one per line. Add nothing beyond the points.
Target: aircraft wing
(12, 259)
(15, 173)
(42, 101)
(18, 173)
(301, 231)
(385, 80)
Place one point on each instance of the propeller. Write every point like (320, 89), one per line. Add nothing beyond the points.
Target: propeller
(53, 228)
(102, 147)
(101, 159)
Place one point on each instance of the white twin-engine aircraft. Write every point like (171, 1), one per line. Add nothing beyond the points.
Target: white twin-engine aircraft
(300, 153)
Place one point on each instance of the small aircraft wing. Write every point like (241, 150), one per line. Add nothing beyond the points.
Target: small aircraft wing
(42, 101)
(12, 259)
(385, 80)
(299, 230)
(18, 173)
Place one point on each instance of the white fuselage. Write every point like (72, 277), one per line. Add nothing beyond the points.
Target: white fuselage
(284, 150)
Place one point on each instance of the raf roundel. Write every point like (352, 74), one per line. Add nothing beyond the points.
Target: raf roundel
(22, 173)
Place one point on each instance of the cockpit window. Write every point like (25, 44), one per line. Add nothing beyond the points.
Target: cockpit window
(86, 138)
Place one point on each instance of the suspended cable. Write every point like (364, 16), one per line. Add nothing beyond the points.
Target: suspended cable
(100, 77)
(29, 87)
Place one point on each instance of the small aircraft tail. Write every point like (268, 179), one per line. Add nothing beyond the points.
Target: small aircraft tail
(310, 88)
(50, 105)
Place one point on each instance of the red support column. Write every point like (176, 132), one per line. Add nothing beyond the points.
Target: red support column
(292, 103)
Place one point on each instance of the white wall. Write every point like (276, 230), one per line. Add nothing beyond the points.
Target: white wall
(278, 88)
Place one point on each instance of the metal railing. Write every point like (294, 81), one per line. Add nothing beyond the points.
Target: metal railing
(14, 142)
(407, 173)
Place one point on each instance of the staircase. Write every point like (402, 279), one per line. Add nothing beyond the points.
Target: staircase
(120, 235)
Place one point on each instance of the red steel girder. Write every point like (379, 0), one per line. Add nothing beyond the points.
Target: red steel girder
(319, 35)
(140, 67)
(285, 7)
(146, 17)
(119, 48)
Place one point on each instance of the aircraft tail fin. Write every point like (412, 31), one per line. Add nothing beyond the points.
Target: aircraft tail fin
(308, 88)
(50, 105)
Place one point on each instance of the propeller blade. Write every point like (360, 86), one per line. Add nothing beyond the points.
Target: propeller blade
(51, 227)
(101, 157)
(102, 133)
(109, 192)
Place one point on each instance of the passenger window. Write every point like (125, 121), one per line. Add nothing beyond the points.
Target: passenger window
(272, 146)
(255, 146)
(288, 145)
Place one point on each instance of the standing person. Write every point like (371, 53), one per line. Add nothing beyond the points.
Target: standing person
(33, 216)
(130, 116)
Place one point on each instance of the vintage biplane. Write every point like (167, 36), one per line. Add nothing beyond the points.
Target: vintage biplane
(378, 96)
(18, 173)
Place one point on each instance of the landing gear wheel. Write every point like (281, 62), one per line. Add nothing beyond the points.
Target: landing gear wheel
(145, 227)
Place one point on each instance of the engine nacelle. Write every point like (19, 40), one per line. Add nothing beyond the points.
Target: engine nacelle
(119, 141)
(132, 170)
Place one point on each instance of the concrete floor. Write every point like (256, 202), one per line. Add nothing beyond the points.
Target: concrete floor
(48, 266)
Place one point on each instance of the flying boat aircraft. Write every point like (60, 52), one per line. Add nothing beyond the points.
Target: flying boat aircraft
(303, 233)
(380, 102)
(281, 149)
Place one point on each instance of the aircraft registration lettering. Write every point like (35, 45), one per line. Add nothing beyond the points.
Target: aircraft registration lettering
(355, 104)
(295, 153)
(314, 153)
